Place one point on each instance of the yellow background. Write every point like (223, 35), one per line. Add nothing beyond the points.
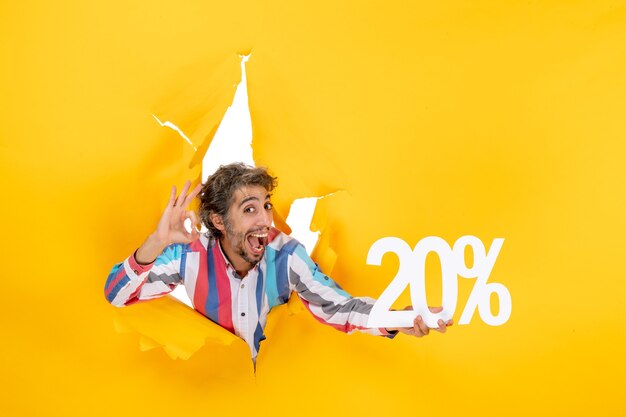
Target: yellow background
(491, 118)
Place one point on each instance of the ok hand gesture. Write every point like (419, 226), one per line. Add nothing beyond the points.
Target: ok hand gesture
(171, 226)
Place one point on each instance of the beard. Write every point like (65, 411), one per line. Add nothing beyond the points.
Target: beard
(238, 243)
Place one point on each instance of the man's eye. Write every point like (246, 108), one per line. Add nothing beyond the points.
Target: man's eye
(249, 210)
(269, 206)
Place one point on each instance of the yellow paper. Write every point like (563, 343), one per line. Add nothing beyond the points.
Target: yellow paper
(493, 119)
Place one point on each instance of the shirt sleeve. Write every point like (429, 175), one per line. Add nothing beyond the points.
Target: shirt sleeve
(326, 300)
(130, 282)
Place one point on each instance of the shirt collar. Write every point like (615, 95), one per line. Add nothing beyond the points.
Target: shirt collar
(226, 261)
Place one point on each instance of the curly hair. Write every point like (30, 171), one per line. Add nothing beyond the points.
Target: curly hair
(219, 190)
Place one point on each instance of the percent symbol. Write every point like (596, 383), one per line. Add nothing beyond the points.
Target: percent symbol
(481, 292)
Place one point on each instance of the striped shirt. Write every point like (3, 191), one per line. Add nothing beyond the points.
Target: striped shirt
(241, 305)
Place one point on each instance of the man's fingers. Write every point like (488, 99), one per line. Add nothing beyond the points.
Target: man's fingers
(191, 215)
(196, 191)
(170, 203)
(407, 330)
(416, 330)
(195, 229)
(420, 327)
(192, 195)
(442, 326)
(183, 194)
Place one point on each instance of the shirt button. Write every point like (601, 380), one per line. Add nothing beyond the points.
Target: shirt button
(243, 314)
(243, 285)
(136, 272)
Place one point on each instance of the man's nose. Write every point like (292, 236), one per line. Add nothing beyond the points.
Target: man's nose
(266, 218)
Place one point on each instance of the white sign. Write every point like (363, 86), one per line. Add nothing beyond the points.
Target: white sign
(411, 272)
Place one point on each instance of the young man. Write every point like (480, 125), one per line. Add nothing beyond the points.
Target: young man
(242, 268)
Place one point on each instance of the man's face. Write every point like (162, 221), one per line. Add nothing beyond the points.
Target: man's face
(247, 225)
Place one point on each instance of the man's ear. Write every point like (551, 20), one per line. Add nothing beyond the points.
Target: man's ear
(217, 221)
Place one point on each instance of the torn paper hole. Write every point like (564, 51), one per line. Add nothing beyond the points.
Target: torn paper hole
(299, 219)
(230, 143)
(233, 140)
(233, 143)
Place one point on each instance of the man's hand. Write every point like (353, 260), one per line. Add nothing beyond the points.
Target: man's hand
(420, 329)
(171, 226)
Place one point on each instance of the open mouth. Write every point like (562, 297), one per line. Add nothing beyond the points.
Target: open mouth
(257, 242)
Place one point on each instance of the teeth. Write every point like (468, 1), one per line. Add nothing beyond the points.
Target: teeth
(259, 235)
